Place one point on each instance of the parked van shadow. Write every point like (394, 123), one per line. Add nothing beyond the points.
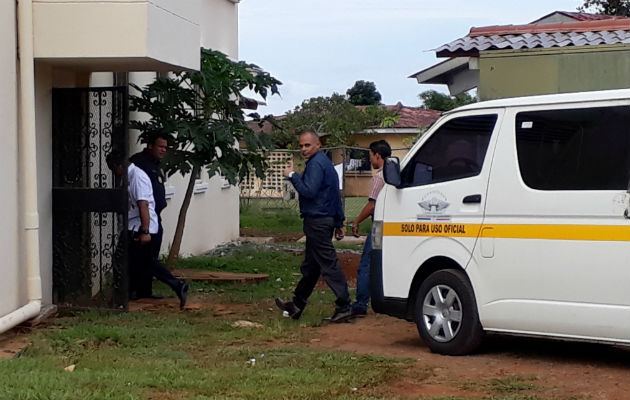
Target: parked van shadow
(554, 350)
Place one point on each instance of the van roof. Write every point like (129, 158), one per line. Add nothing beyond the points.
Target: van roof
(600, 95)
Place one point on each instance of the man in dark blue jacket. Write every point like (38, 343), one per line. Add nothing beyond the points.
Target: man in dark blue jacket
(322, 213)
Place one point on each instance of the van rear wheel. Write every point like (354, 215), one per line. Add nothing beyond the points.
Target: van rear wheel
(446, 313)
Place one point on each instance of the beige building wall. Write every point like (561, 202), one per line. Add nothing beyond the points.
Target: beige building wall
(219, 27)
(395, 141)
(12, 284)
(513, 73)
(358, 182)
(97, 35)
(43, 126)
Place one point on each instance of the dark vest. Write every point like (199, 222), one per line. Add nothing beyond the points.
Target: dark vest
(146, 162)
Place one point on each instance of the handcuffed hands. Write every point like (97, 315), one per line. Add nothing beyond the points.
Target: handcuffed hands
(340, 233)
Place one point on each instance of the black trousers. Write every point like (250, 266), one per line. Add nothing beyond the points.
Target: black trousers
(144, 265)
(156, 241)
(320, 259)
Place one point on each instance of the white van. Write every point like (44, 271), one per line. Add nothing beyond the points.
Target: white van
(510, 216)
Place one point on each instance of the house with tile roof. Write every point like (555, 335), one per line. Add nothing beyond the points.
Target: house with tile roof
(411, 121)
(558, 53)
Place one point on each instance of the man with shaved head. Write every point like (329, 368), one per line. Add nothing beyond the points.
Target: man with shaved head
(322, 214)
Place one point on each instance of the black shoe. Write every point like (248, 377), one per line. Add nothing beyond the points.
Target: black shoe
(341, 315)
(182, 294)
(289, 307)
(358, 312)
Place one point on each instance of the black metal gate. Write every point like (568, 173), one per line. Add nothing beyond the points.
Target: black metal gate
(89, 205)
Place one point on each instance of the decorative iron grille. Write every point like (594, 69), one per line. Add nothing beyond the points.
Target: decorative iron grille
(89, 205)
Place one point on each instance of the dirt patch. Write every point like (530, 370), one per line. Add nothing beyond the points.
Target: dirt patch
(554, 370)
(12, 343)
(160, 394)
(194, 303)
(349, 263)
(349, 260)
(218, 276)
(278, 237)
(167, 303)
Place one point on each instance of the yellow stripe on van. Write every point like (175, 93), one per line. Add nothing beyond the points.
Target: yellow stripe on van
(615, 233)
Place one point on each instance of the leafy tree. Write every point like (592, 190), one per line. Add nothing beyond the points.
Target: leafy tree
(199, 112)
(434, 100)
(608, 7)
(363, 93)
(280, 137)
(411, 140)
(335, 116)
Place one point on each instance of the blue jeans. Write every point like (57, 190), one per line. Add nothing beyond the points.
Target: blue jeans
(363, 277)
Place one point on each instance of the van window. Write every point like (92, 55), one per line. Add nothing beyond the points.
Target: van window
(456, 150)
(577, 149)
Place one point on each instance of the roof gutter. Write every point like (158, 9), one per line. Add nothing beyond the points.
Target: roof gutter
(376, 131)
(27, 164)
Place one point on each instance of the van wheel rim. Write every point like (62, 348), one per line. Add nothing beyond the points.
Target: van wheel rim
(442, 313)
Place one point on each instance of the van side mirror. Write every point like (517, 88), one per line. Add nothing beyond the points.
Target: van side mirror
(391, 171)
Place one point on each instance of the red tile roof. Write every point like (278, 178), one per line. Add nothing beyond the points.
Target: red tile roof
(409, 117)
(414, 117)
(561, 27)
(583, 33)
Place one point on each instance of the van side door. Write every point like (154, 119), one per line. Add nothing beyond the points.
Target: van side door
(439, 207)
(554, 252)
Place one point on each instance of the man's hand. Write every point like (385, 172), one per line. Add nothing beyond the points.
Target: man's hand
(144, 238)
(355, 229)
(288, 169)
(145, 220)
(340, 233)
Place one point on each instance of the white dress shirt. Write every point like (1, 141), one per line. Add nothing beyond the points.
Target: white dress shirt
(140, 189)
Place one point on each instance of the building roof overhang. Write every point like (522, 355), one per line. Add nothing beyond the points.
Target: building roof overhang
(460, 74)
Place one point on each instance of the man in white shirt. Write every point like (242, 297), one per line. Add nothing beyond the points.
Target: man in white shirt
(142, 225)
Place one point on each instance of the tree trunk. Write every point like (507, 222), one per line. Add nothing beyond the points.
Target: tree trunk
(173, 254)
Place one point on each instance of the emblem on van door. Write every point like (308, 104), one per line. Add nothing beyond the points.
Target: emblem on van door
(433, 203)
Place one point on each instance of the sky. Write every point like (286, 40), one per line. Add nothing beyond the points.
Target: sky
(318, 47)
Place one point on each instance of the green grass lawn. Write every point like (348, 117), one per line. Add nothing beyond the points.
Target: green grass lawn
(143, 355)
(190, 356)
(281, 267)
(170, 354)
(199, 354)
(270, 215)
(283, 216)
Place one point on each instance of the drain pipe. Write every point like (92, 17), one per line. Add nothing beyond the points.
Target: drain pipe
(27, 164)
